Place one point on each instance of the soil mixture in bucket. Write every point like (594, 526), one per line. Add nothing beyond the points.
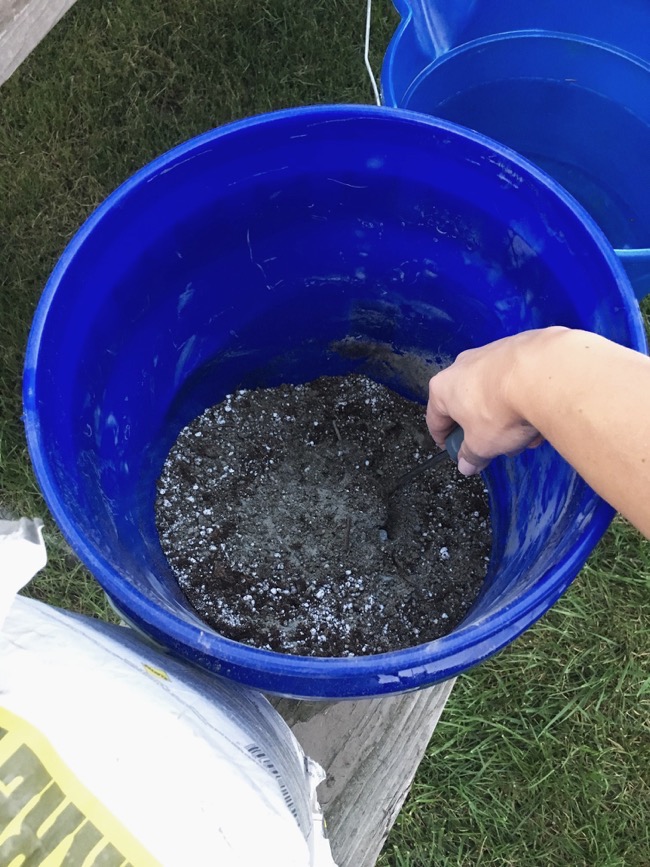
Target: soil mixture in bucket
(275, 513)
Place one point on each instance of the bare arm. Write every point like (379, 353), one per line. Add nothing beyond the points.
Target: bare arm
(589, 397)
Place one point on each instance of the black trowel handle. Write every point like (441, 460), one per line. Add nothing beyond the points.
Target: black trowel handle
(453, 442)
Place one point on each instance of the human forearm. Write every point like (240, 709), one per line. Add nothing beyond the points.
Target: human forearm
(590, 398)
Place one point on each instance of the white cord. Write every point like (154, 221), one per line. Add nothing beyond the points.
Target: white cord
(366, 55)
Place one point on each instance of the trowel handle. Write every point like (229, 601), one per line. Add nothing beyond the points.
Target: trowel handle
(453, 442)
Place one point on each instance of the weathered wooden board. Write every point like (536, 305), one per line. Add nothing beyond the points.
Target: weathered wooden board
(370, 750)
(23, 23)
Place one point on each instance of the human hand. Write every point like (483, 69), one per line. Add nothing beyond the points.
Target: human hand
(583, 392)
(478, 392)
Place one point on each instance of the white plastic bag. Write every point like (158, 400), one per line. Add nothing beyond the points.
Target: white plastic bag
(113, 754)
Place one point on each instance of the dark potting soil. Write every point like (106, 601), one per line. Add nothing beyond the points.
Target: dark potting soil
(275, 514)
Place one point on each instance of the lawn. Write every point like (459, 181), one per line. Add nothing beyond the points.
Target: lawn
(542, 755)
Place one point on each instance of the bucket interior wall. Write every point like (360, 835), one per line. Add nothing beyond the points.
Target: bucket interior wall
(576, 108)
(280, 254)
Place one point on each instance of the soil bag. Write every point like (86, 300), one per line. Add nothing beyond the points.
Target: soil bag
(113, 754)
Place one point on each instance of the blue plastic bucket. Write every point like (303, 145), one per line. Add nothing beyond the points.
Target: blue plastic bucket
(241, 259)
(565, 84)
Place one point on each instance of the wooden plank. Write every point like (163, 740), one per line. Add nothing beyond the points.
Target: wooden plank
(23, 23)
(370, 750)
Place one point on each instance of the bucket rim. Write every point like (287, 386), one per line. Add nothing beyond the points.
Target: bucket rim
(420, 660)
(177, 154)
(451, 54)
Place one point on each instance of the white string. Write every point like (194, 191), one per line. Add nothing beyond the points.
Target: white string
(366, 55)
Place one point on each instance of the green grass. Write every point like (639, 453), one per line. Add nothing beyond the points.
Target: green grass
(541, 757)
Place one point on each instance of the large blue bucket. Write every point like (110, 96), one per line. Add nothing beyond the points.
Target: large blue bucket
(566, 84)
(242, 258)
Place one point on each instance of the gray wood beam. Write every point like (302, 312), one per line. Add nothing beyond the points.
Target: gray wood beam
(370, 750)
(23, 23)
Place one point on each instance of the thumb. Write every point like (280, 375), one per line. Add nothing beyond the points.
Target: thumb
(467, 469)
(469, 463)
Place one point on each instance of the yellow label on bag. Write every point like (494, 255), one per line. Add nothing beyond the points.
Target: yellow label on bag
(47, 816)
(157, 672)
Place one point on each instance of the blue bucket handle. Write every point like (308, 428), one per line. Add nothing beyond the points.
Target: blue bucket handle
(435, 25)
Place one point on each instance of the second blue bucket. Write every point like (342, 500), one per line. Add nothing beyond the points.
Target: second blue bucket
(244, 258)
(565, 84)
